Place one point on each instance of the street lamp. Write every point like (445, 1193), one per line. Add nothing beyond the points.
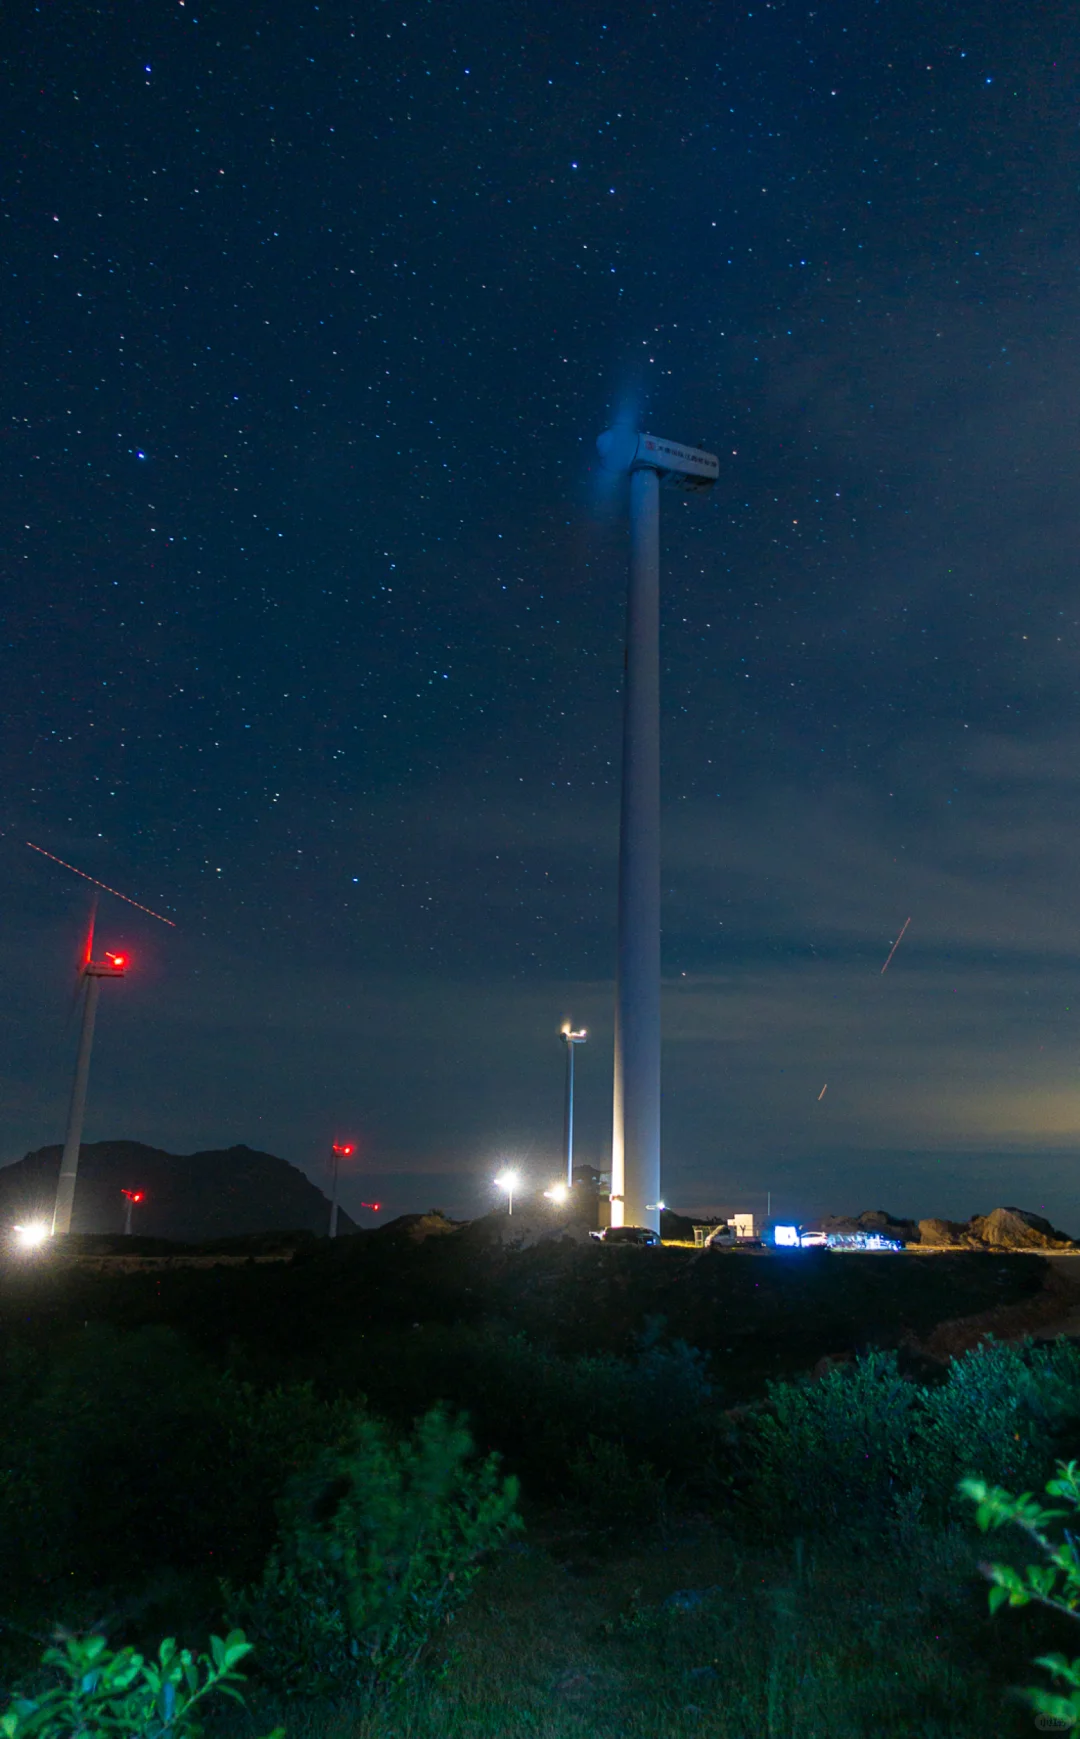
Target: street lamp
(340, 1150)
(570, 1038)
(508, 1181)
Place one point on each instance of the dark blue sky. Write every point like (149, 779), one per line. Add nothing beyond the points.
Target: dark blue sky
(312, 638)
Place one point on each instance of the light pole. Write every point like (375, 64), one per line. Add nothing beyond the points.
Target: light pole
(92, 971)
(508, 1181)
(635, 1143)
(340, 1150)
(570, 1039)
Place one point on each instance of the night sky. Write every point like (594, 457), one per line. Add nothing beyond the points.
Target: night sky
(312, 629)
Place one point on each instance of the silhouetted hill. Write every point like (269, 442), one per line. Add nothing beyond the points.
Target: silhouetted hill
(221, 1193)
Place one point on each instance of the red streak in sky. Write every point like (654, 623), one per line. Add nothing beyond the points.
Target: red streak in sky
(896, 945)
(97, 884)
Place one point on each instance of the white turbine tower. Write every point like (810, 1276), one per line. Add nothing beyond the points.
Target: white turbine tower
(635, 1143)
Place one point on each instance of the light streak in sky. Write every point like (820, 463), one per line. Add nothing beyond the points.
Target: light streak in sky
(821, 1095)
(78, 872)
(896, 945)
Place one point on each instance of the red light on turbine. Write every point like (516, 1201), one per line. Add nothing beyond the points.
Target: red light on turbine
(118, 960)
(344, 1149)
(374, 1206)
(134, 1195)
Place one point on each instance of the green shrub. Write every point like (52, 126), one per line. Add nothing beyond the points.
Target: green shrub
(120, 1460)
(102, 1693)
(863, 1446)
(833, 1451)
(540, 1408)
(1003, 1412)
(380, 1546)
(616, 1490)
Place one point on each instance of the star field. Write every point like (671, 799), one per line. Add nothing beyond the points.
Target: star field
(312, 630)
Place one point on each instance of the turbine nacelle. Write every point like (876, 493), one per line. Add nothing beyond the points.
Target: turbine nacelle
(113, 966)
(623, 450)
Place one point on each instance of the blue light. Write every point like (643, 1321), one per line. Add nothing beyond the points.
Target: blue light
(140, 455)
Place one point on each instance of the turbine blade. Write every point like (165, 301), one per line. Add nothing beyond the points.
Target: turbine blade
(609, 471)
(88, 949)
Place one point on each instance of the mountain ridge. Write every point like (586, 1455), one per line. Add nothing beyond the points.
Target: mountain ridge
(190, 1197)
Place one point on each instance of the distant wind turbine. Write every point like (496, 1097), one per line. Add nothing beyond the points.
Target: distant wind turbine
(91, 973)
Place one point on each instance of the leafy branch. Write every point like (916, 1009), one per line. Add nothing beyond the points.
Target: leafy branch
(106, 1692)
(1054, 1582)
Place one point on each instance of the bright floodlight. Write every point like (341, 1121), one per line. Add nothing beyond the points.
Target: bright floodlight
(31, 1236)
(558, 1193)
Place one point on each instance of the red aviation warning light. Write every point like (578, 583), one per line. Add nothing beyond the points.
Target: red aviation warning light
(134, 1195)
(344, 1149)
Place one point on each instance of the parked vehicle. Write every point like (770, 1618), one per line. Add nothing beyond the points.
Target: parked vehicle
(723, 1238)
(639, 1235)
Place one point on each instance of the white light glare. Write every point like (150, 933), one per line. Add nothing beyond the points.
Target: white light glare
(508, 1181)
(31, 1236)
(558, 1193)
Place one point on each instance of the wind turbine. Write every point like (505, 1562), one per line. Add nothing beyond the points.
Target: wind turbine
(648, 461)
(91, 973)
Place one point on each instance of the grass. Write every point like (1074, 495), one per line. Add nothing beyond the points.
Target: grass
(830, 1644)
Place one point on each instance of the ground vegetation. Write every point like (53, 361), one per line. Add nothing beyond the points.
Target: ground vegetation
(445, 1486)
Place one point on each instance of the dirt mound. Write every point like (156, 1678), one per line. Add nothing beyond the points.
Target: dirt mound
(1002, 1229)
(942, 1232)
(414, 1228)
(522, 1231)
(871, 1220)
(1042, 1314)
(1014, 1229)
(676, 1227)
